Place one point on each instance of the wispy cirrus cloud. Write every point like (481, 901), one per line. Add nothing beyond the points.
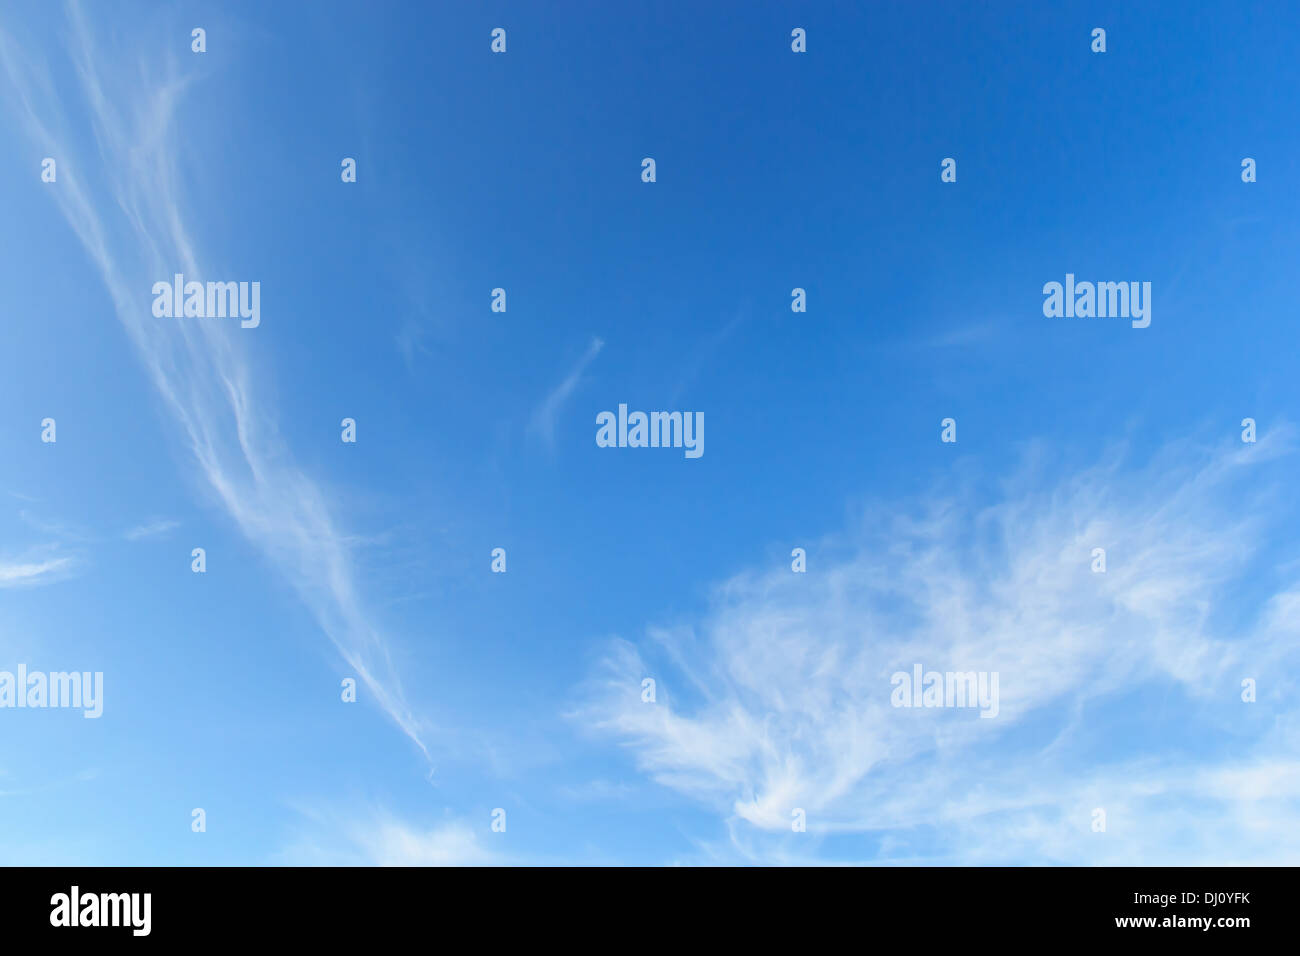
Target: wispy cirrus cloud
(134, 227)
(544, 418)
(151, 529)
(376, 837)
(24, 574)
(779, 697)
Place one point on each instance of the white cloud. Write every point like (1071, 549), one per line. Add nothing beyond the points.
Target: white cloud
(780, 696)
(34, 573)
(151, 529)
(134, 228)
(597, 791)
(377, 838)
(545, 416)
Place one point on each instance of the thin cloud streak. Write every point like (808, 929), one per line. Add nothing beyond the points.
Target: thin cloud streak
(32, 574)
(544, 419)
(199, 368)
(151, 530)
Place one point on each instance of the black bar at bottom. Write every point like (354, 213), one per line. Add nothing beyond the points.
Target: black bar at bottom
(636, 908)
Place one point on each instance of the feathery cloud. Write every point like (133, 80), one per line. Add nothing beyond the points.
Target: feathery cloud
(33, 573)
(780, 697)
(135, 230)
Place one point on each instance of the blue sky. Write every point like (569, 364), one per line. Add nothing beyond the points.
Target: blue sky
(476, 430)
